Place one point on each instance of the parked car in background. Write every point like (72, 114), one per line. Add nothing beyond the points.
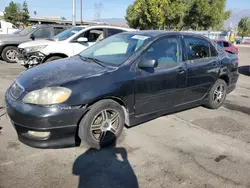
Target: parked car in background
(9, 43)
(7, 27)
(65, 44)
(128, 78)
(228, 46)
(246, 40)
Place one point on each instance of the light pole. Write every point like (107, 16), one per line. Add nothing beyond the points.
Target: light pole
(81, 11)
(73, 12)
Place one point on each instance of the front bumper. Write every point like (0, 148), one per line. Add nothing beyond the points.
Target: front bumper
(61, 123)
(33, 58)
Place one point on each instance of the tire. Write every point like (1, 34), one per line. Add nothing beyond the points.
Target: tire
(85, 131)
(53, 58)
(212, 102)
(9, 54)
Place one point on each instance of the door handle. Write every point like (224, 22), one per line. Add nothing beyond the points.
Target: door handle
(181, 70)
(215, 64)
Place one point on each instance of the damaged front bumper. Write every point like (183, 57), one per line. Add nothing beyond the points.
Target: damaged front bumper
(29, 59)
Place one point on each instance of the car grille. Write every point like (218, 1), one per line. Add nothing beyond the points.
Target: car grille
(16, 90)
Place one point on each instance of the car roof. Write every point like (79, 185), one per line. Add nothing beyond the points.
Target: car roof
(50, 25)
(110, 27)
(160, 33)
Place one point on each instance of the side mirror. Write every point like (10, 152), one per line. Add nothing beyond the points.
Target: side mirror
(82, 39)
(148, 63)
(32, 36)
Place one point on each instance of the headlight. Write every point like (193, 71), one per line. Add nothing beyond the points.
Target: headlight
(47, 96)
(35, 48)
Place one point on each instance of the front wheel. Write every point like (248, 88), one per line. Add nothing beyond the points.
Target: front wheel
(9, 54)
(217, 94)
(102, 124)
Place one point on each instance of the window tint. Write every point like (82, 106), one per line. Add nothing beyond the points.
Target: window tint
(225, 44)
(0, 25)
(58, 30)
(111, 32)
(166, 51)
(42, 33)
(196, 48)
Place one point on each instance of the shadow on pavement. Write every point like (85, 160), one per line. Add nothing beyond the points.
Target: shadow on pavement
(245, 70)
(108, 167)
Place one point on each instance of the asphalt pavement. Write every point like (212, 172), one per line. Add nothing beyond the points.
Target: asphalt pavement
(193, 148)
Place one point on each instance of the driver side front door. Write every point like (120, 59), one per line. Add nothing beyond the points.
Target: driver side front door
(163, 87)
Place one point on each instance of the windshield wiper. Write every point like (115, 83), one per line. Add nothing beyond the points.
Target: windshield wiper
(92, 60)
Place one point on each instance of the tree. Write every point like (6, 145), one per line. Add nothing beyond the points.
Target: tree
(177, 14)
(16, 14)
(206, 14)
(25, 13)
(156, 14)
(244, 27)
(11, 13)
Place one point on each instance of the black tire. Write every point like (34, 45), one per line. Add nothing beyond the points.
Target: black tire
(212, 104)
(85, 125)
(5, 53)
(53, 58)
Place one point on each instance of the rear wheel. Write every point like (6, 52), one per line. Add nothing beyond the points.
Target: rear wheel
(9, 54)
(102, 124)
(53, 58)
(217, 94)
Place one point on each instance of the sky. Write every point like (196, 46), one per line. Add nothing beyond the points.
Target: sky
(110, 9)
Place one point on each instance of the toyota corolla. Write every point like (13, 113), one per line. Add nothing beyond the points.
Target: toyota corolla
(126, 79)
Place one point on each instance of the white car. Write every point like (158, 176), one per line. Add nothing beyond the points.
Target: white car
(66, 44)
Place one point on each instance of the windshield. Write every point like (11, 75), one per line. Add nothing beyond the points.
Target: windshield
(115, 49)
(27, 30)
(67, 33)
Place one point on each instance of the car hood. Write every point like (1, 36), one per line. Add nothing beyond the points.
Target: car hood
(34, 43)
(59, 72)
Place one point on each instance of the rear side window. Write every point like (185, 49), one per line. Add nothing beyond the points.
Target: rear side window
(58, 30)
(111, 32)
(197, 48)
(226, 44)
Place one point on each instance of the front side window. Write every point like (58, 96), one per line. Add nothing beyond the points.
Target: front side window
(115, 49)
(197, 48)
(42, 33)
(94, 35)
(166, 51)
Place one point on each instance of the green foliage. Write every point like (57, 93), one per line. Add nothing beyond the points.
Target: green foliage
(15, 14)
(244, 27)
(25, 13)
(177, 14)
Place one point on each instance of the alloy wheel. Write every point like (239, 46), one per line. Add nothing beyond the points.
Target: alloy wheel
(105, 125)
(11, 55)
(219, 94)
